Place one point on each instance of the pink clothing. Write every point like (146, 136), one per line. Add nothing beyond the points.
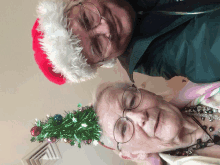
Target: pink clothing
(193, 91)
(191, 95)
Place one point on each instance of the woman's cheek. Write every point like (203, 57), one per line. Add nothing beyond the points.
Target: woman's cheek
(171, 126)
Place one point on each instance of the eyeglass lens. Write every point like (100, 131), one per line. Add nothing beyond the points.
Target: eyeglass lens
(124, 128)
(90, 15)
(131, 98)
(91, 18)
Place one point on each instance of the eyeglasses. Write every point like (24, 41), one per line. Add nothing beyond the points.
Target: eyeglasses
(90, 18)
(124, 127)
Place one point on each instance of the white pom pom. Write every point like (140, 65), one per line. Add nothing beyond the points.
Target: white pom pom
(109, 64)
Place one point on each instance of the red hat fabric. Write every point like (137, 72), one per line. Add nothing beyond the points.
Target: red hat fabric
(41, 58)
(58, 52)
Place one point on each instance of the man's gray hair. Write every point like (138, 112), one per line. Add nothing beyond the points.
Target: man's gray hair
(61, 46)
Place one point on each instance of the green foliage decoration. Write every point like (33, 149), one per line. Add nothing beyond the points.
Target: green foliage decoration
(77, 126)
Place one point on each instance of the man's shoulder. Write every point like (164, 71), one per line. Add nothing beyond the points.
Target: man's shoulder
(124, 60)
(143, 5)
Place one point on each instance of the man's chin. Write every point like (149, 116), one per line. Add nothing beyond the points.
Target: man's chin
(115, 54)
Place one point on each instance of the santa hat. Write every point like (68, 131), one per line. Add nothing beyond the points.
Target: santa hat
(57, 51)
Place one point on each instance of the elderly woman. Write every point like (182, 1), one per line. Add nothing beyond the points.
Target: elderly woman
(142, 125)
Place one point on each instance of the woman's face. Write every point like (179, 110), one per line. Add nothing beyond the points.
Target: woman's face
(157, 124)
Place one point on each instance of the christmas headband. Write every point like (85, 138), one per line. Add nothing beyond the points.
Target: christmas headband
(57, 51)
(77, 126)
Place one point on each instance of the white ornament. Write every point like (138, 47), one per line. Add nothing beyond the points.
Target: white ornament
(95, 142)
(74, 120)
(84, 125)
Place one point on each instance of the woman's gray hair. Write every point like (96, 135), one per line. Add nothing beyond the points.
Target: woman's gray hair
(104, 86)
(97, 98)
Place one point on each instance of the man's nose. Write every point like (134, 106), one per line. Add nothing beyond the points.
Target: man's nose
(102, 29)
(139, 118)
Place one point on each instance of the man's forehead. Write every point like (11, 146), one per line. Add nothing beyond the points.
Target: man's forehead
(73, 12)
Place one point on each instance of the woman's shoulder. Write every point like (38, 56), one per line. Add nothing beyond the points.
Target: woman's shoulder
(210, 152)
(189, 160)
(193, 93)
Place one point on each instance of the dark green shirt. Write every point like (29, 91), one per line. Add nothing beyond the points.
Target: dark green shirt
(176, 45)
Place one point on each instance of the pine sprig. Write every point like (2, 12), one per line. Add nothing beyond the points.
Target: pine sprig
(77, 126)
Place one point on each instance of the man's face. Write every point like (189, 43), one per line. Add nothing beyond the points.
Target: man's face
(119, 18)
(157, 124)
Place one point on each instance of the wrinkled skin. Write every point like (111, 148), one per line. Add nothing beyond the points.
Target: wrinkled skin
(119, 19)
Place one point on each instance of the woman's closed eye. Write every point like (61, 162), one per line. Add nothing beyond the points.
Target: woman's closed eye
(130, 103)
(123, 130)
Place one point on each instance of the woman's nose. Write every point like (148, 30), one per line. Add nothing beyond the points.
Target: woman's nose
(103, 28)
(138, 117)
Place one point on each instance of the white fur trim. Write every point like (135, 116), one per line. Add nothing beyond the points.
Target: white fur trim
(109, 64)
(62, 48)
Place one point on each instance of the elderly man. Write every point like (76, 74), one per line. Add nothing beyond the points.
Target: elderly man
(73, 38)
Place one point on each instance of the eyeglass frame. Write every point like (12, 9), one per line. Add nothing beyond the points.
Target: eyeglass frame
(101, 17)
(125, 117)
